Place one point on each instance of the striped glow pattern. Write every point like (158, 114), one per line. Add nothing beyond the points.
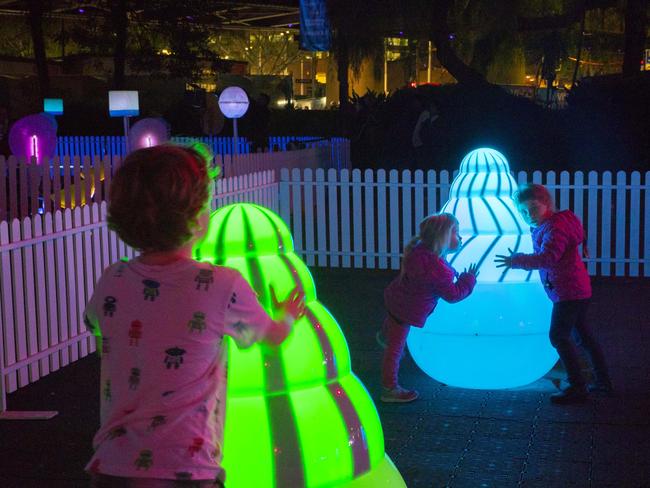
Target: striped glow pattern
(296, 416)
(498, 336)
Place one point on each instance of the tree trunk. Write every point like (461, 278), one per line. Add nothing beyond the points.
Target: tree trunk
(635, 33)
(36, 27)
(343, 59)
(446, 54)
(120, 26)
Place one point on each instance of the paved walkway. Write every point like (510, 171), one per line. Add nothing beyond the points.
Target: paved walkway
(450, 437)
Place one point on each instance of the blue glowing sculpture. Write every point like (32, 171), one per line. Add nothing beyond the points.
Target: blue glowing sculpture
(498, 336)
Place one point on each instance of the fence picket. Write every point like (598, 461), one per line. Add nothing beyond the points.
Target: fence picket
(321, 226)
(297, 209)
(41, 309)
(407, 214)
(382, 241)
(370, 219)
(592, 221)
(52, 293)
(77, 182)
(70, 284)
(29, 292)
(47, 184)
(621, 212)
(35, 171)
(61, 289)
(419, 197)
(432, 192)
(578, 199)
(80, 283)
(20, 322)
(308, 212)
(393, 221)
(564, 202)
(345, 218)
(333, 214)
(357, 214)
(606, 224)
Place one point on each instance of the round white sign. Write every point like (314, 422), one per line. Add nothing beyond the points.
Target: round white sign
(233, 102)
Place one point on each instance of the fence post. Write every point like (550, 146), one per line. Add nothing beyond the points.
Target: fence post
(285, 196)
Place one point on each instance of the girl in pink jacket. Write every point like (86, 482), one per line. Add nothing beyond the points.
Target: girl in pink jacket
(556, 237)
(412, 296)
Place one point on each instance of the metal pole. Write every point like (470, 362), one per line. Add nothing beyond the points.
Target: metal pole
(126, 135)
(235, 149)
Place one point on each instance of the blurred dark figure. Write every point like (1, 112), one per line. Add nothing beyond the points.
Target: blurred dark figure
(423, 134)
(259, 120)
(4, 132)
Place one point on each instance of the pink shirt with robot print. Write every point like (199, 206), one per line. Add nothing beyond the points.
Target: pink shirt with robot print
(163, 368)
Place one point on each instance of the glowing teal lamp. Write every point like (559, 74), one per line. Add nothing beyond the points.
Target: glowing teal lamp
(53, 106)
(296, 416)
(498, 336)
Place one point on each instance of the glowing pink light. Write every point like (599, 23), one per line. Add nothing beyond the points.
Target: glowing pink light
(149, 141)
(34, 147)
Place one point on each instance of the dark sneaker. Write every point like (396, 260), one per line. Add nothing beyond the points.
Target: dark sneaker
(601, 387)
(571, 394)
(398, 395)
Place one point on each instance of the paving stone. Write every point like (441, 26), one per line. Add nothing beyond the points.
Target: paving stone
(502, 428)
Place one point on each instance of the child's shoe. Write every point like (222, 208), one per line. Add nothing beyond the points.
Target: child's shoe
(398, 395)
(601, 386)
(571, 394)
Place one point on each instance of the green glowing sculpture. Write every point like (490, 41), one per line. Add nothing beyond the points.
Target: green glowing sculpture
(296, 416)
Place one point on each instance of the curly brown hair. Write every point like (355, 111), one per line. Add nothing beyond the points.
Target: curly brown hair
(157, 195)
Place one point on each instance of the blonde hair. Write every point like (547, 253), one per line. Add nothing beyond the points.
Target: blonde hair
(533, 191)
(434, 234)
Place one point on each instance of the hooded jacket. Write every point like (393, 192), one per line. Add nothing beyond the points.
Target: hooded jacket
(556, 256)
(414, 294)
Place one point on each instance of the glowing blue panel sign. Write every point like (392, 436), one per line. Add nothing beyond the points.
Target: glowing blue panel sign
(498, 336)
(123, 103)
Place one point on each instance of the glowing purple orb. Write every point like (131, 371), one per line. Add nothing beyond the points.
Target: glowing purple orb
(33, 136)
(148, 132)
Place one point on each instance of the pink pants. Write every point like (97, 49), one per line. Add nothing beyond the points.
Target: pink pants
(395, 335)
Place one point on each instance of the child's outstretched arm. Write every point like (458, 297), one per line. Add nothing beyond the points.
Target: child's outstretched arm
(247, 322)
(454, 291)
(553, 246)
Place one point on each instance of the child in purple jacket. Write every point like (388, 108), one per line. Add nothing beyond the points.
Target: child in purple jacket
(556, 237)
(412, 296)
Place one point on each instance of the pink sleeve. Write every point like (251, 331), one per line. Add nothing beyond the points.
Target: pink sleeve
(246, 321)
(446, 288)
(554, 244)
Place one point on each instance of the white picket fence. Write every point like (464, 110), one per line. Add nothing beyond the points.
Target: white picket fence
(362, 219)
(49, 263)
(48, 268)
